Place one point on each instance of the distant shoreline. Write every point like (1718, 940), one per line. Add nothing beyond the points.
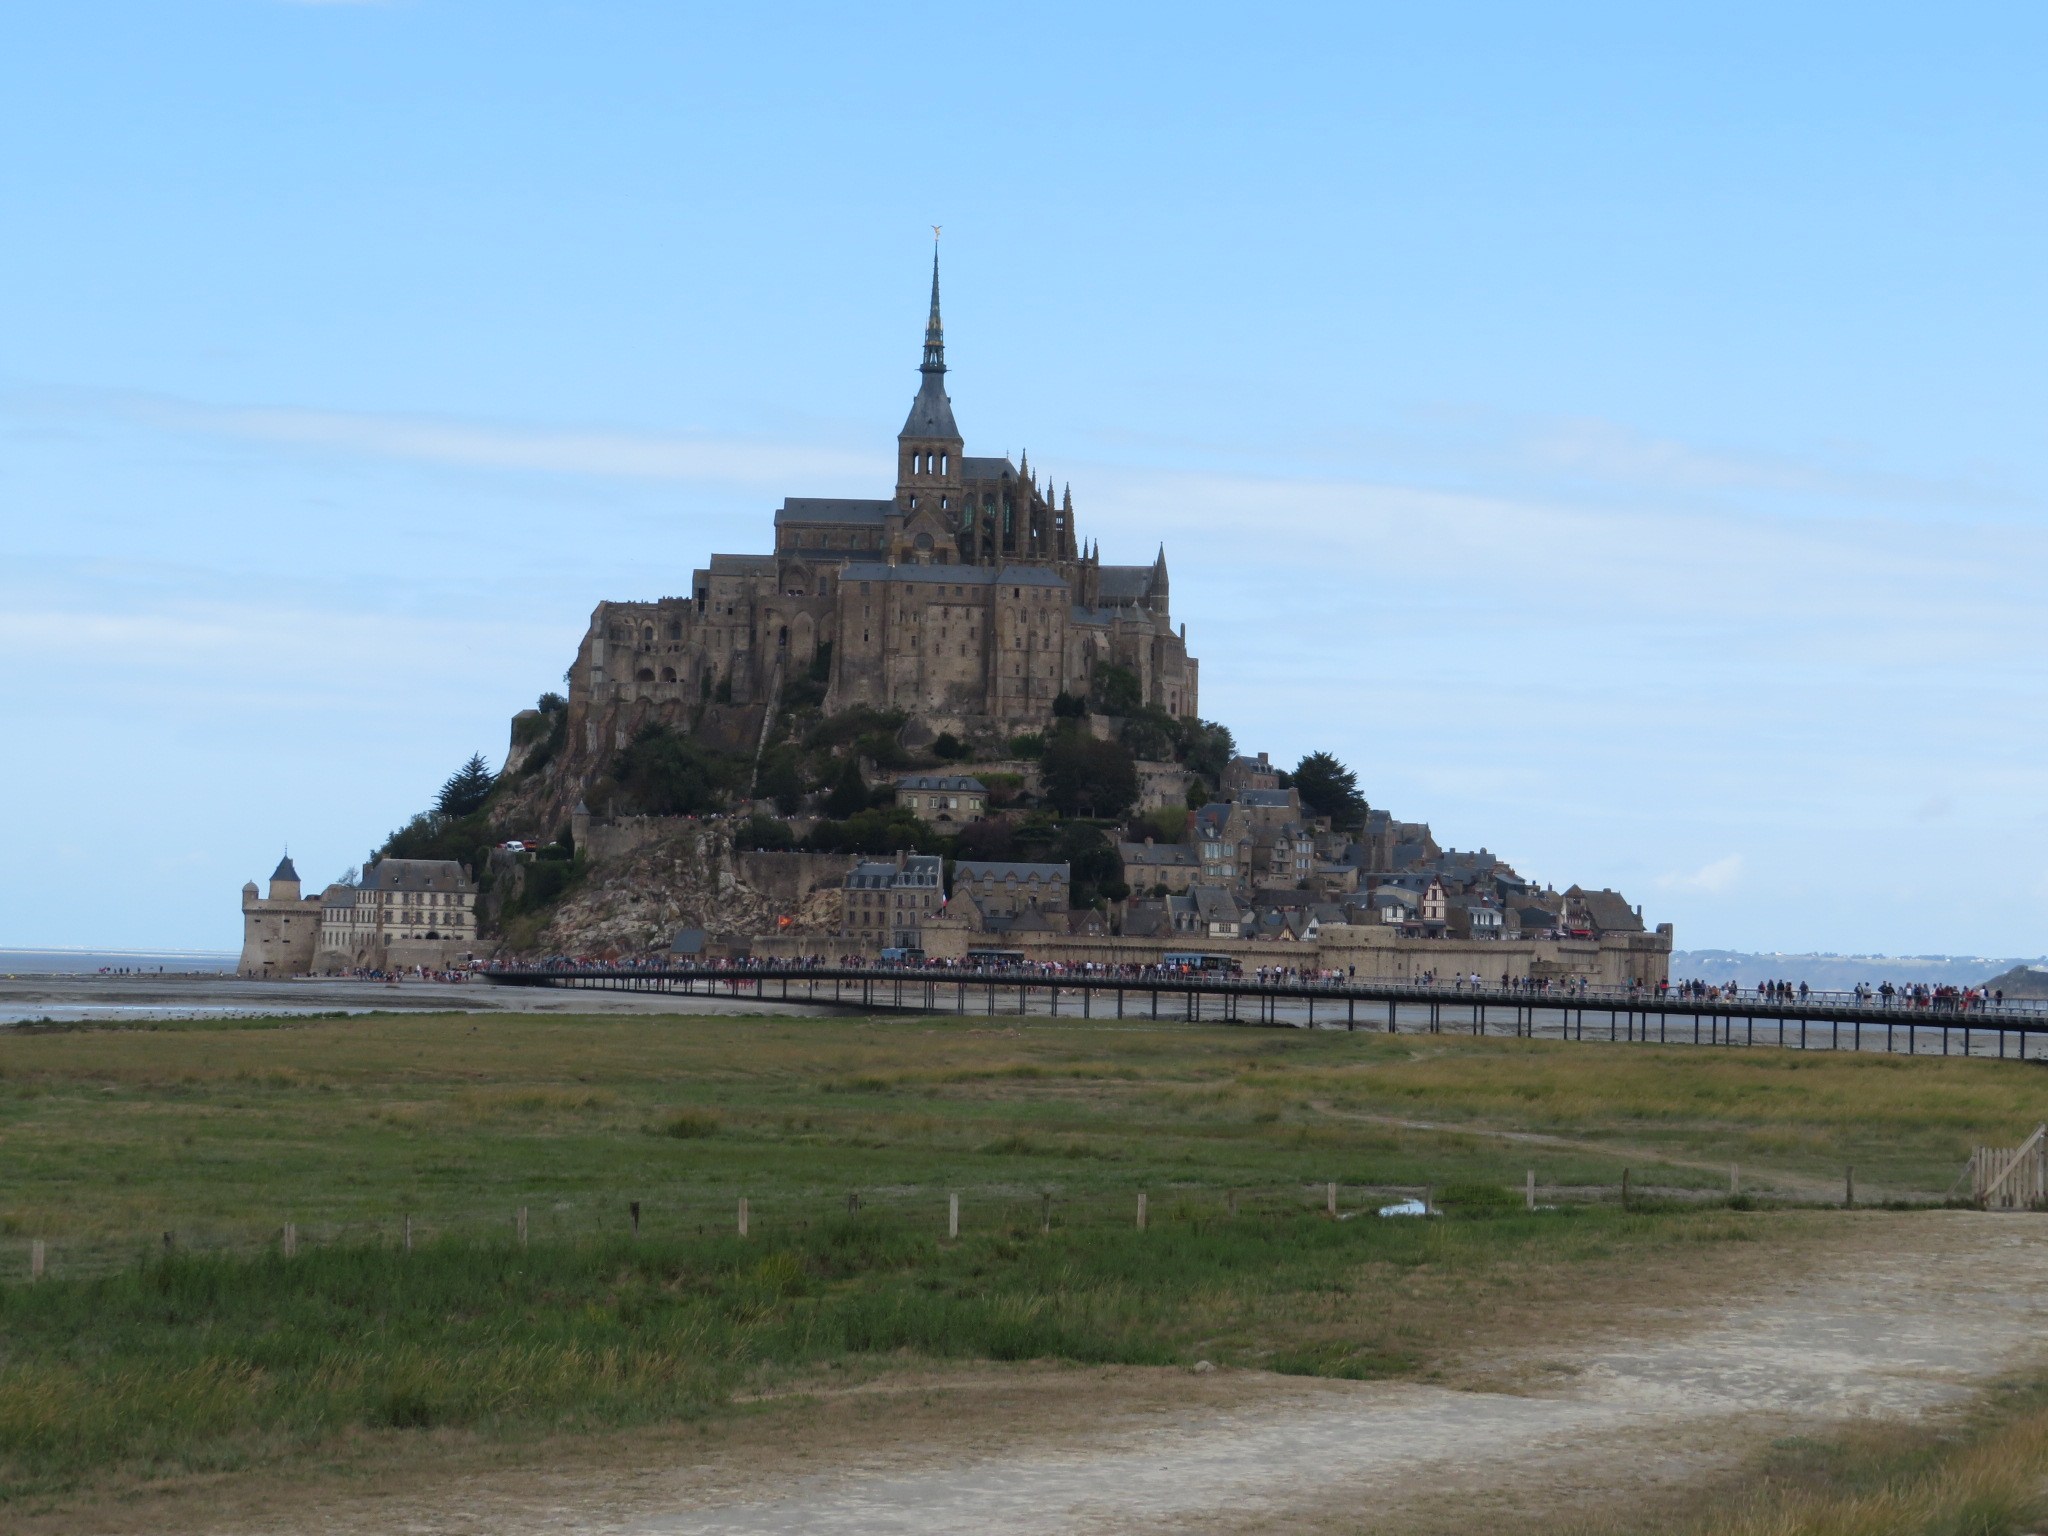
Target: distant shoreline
(73, 962)
(1840, 972)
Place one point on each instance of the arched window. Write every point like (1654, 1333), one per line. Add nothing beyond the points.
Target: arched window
(675, 631)
(647, 635)
(644, 675)
(668, 674)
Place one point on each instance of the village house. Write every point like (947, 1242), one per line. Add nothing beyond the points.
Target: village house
(941, 799)
(887, 903)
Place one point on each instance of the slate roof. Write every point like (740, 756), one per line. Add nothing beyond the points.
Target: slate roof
(415, 875)
(742, 565)
(879, 570)
(1007, 576)
(828, 509)
(953, 783)
(1609, 910)
(986, 469)
(919, 870)
(284, 870)
(1157, 855)
(966, 870)
(1273, 799)
(1124, 585)
(931, 413)
(1029, 576)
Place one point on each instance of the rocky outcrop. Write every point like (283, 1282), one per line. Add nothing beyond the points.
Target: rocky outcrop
(648, 876)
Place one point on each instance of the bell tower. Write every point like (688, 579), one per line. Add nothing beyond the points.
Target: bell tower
(928, 468)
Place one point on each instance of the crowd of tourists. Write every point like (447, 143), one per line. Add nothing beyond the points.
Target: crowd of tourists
(1010, 967)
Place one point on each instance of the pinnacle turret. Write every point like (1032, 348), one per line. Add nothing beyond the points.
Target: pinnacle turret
(931, 413)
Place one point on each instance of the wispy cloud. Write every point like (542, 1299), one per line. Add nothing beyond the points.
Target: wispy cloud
(1613, 453)
(645, 456)
(709, 457)
(1715, 879)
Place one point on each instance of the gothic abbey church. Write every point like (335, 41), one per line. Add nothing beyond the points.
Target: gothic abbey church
(967, 600)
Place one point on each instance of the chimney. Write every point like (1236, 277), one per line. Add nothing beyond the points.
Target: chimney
(1262, 761)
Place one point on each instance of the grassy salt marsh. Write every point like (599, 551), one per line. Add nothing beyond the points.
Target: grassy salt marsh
(223, 1351)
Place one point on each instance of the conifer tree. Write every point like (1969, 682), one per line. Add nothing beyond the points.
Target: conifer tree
(467, 788)
(849, 796)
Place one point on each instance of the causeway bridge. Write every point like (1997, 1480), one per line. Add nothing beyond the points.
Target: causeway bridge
(2010, 1031)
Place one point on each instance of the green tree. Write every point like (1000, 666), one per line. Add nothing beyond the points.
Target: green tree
(1206, 748)
(467, 789)
(948, 747)
(1088, 777)
(764, 832)
(1115, 690)
(1328, 788)
(1093, 865)
(1152, 735)
(781, 779)
(850, 793)
(882, 749)
(881, 830)
(664, 774)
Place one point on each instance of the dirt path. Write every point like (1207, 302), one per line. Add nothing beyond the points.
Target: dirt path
(1889, 1332)
(1636, 1399)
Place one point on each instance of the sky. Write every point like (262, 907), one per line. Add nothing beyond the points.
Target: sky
(1615, 431)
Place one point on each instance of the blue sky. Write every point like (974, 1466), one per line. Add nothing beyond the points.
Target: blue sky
(1615, 430)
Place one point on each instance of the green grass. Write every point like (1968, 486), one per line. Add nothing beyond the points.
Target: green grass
(224, 1351)
(206, 1362)
(346, 1126)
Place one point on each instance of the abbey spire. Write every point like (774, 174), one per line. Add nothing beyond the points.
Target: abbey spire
(928, 447)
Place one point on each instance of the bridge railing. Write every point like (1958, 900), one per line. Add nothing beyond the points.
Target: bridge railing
(1283, 982)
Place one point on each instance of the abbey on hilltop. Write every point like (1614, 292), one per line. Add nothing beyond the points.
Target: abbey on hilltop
(967, 600)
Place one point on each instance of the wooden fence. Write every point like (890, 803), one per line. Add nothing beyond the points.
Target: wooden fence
(2012, 1178)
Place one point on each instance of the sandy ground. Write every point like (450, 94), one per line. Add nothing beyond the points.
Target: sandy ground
(77, 999)
(1629, 1402)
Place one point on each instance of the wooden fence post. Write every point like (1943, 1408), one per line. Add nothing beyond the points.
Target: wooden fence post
(1141, 1210)
(1045, 1206)
(519, 1224)
(1531, 1194)
(1734, 1182)
(852, 1203)
(1624, 1189)
(1849, 1190)
(35, 1259)
(1330, 1199)
(953, 1214)
(408, 1233)
(633, 1206)
(291, 1238)
(743, 1215)
(1230, 1201)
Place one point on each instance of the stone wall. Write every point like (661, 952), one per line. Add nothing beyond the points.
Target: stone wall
(1611, 960)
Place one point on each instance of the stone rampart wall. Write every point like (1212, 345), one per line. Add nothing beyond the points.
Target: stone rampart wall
(1610, 960)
